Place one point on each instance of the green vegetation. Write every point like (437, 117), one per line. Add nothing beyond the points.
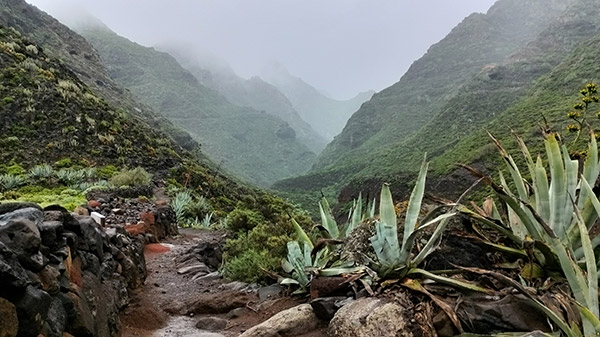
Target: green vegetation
(465, 83)
(135, 177)
(557, 215)
(254, 93)
(244, 141)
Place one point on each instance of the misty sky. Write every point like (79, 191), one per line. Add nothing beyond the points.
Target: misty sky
(339, 46)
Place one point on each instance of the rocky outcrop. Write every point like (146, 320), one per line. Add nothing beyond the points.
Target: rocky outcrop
(131, 207)
(63, 273)
(371, 316)
(292, 322)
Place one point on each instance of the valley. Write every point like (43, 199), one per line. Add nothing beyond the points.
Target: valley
(161, 189)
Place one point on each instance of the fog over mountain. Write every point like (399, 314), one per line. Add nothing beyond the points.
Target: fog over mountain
(342, 47)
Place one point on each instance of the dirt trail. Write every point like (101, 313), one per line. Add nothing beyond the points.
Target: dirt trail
(165, 288)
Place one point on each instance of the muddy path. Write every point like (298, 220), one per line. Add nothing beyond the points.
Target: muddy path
(173, 304)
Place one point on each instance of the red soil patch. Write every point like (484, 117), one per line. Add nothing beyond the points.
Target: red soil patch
(155, 248)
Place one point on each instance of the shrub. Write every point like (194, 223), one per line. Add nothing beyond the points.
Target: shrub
(136, 177)
(106, 172)
(244, 220)
(248, 266)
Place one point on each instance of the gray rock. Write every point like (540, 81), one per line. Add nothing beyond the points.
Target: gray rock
(12, 275)
(16, 210)
(209, 277)
(23, 238)
(234, 286)
(211, 323)
(56, 321)
(326, 307)
(32, 310)
(50, 232)
(369, 317)
(292, 322)
(197, 268)
(268, 292)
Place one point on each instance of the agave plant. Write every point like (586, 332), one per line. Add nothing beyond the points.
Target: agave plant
(558, 215)
(180, 204)
(396, 259)
(330, 227)
(42, 171)
(10, 182)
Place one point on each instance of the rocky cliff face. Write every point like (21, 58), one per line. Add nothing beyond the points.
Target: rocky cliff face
(64, 273)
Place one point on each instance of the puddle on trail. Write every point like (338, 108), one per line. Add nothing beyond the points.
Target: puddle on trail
(182, 326)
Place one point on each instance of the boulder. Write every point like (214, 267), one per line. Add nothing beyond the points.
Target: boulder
(56, 321)
(12, 275)
(17, 210)
(291, 322)
(32, 310)
(369, 317)
(9, 323)
(23, 238)
(215, 303)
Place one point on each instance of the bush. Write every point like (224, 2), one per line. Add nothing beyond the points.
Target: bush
(248, 267)
(244, 220)
(136, 177)
(106, 172)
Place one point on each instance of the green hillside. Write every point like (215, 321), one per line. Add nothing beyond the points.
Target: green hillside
(252, 144)
(81, 58)
(253, 92)
(476, 72)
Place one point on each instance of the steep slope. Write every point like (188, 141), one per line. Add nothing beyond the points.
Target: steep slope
(254, 145)
(81, 58)
(47, 114)
(253, 92)
(498, 88)
(402, 109)
(326, 115)
(453, 81)
(548, 100)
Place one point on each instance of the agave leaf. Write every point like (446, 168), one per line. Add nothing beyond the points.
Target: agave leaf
(590, 262)
(356, 215)
(572, 271)
(327, 219)
(385, 244)
(446, 280)
(414, 203)
(302, 236)
(591, 319)
(431, 243)
(387, 213)
(297, 259)
(288, 281)
(340, 271)
(371, 208)
(591, 170)
(516, 224)
(287, 266)
(558, 186)
(492, 223)
(542, 189)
